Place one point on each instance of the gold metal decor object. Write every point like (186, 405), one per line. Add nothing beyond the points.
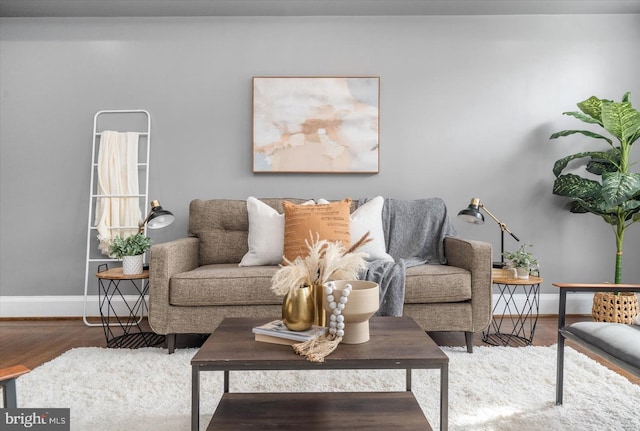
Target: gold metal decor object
(298, 309)
(320, 318)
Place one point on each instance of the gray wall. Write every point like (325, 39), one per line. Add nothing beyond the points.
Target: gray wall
(468, 104)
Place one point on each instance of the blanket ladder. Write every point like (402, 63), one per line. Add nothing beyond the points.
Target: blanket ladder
(130, 120)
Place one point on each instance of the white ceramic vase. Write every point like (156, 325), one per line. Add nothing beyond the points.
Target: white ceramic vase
(523, 273)
(132, 265)
(363, 302)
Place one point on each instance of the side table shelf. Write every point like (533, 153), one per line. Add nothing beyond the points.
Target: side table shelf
(519, 320)
(124, 330)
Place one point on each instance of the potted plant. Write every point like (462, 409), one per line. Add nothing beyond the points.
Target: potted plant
(608, 188)
(615, 197)
(522, 260)
(130, 250)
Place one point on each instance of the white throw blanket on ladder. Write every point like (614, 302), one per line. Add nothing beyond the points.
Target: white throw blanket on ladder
(117, 175)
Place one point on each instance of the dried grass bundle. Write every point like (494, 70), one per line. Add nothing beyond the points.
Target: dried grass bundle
(326, 261)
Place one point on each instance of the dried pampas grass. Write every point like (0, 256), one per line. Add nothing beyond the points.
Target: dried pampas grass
(326, 261)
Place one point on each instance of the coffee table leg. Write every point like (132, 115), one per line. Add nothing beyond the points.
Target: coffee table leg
(195, 398)
(444, 397)
(408, 379)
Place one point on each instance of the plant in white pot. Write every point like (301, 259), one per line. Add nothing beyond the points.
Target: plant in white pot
(522, 260)
(130, 250)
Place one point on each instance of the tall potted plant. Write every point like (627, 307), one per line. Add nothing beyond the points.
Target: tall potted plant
(608, 188)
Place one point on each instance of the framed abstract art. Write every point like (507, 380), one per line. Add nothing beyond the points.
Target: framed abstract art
(316, 124)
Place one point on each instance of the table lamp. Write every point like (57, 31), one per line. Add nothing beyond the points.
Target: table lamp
(472, 214)
(157, 217)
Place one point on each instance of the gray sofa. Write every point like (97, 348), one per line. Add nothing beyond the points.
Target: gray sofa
(195, 282)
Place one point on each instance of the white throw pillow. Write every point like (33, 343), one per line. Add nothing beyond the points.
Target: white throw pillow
(368, 218)
(636, 321)
(266, 234)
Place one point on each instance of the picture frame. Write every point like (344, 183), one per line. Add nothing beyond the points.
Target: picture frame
(316, 124)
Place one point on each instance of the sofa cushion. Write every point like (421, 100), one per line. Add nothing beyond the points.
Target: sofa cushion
(303, 222)
(426, 284)
(222, 226)
(223, 284)
(617, 339)
(228, 284)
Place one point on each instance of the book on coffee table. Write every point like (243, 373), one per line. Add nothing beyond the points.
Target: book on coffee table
(277, 332)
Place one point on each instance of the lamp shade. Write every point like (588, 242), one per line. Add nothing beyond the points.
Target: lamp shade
(159, 217)
(472, 213)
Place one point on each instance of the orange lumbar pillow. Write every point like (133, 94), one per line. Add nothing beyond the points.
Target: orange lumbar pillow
(305, 222)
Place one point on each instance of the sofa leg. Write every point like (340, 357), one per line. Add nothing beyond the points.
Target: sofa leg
(468, 336)
(170, 342)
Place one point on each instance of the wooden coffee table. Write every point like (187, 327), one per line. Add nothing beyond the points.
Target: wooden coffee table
(396, 343)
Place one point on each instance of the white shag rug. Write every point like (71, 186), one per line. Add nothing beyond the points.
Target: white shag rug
(495, 388)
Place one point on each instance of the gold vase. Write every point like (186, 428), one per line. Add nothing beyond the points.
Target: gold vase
(298, 309)
(320, 315)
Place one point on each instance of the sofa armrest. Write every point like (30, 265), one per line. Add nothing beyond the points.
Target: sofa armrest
(474, 256)
(167, 259)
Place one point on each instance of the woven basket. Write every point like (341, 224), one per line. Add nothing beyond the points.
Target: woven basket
(617, 308)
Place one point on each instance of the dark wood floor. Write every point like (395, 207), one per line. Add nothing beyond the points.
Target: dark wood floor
(34, 342)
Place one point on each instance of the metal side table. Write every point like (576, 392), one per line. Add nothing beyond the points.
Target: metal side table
(124, 330)
(514, 322)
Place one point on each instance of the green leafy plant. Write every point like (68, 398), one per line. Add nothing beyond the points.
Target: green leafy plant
(611, 191)
(130, 246)
(522, 258)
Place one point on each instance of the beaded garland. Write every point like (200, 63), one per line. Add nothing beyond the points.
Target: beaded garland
(336, 320)
(316, 349)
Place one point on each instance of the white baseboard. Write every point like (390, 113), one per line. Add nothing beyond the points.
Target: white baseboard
(577, 303)
(73, 305)
(59, 306)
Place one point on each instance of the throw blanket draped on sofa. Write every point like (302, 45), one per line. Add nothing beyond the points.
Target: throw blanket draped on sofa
(414, 235)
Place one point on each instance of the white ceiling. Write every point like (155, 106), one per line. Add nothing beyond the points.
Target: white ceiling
(156, 8)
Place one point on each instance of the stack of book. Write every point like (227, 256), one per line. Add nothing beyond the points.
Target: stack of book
(277, 332)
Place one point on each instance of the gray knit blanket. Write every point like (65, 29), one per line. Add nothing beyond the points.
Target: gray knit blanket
(414, 233)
